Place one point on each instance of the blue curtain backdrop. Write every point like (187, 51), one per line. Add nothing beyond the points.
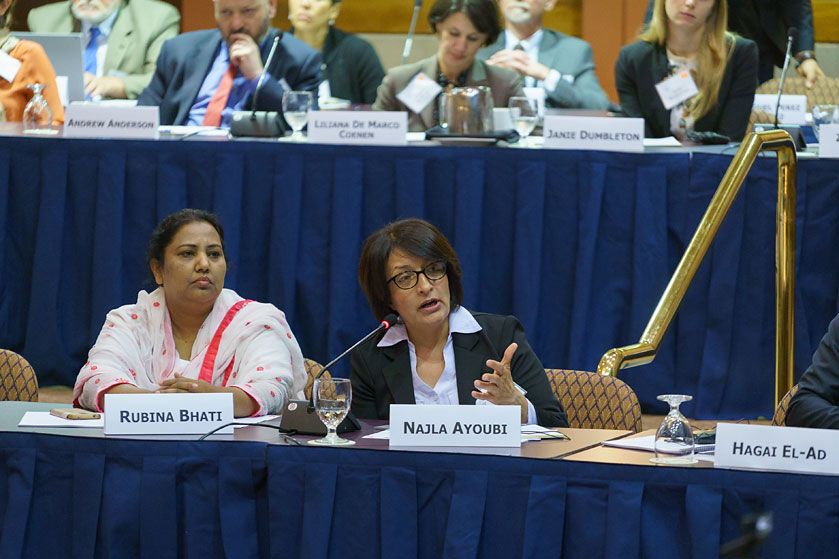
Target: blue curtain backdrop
(578, 245)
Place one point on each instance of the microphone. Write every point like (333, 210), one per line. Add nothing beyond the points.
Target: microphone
(409, 42)
(299, 415)
(792, 33)
(265, 124)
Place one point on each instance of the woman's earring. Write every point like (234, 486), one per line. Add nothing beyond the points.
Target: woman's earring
(331, 22)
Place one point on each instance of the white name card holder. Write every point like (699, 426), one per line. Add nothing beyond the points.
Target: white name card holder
(111, 121)
(597, 133)
(828, 141)
(793, 108)
(486, 426)
(167, 414)
(378, 128)
(783, 449)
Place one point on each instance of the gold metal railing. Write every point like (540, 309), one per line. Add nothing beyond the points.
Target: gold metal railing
(645, 350)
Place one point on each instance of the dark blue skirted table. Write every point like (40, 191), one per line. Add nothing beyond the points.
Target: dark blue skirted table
(578, 245)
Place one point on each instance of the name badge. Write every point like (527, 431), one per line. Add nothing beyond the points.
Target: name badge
(108, 121)
(414, 425)
(786, 449)
(167, 414)
(419, 92)
(676, 89)
(358, 127)
(601, 133)
(828, 141)
(792, 110)
(9, 66)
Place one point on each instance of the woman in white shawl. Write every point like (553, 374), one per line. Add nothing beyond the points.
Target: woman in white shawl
(191, 334)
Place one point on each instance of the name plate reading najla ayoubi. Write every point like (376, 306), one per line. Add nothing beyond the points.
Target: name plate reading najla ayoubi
(417, 425)
(111, 121)
(595, 133)
(167, 414)
(382, 128)
(785, 449)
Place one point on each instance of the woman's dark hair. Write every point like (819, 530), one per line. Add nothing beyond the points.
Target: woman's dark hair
(483, 14)
(168, 228)
(413, 236)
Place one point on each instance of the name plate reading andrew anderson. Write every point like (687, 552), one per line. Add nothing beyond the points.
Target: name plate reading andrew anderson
(785, 449)
(103, 121)
(600, 133)
(414, 425)
(382, 128)
(167, 414)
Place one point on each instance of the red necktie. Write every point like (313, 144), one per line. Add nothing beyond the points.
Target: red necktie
(219, 101)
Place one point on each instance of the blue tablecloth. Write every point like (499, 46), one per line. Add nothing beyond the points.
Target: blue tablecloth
(87, 498)
(578, 245)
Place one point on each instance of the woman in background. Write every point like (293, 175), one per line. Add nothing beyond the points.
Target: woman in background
(34, 68)
(689, 36)
(351, 68)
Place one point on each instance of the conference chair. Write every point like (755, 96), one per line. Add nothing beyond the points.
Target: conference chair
(312, 370)
(780, 417)
(594, 401)
(17, 379)
(825, 90)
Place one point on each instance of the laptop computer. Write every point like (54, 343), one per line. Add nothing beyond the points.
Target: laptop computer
(66, 53)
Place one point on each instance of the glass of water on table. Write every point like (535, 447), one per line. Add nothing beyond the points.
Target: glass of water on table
(296, 107)
(525, 115)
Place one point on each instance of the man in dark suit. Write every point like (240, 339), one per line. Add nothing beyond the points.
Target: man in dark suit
(560, 64)
(203, 76)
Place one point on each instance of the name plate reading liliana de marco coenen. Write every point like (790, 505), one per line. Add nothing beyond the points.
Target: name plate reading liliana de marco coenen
(417, 425)
(167, 414)
(111, 121)
(383, 128)
(598, 133)
(785, 449)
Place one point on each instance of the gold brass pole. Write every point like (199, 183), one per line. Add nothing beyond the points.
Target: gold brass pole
(645, 350)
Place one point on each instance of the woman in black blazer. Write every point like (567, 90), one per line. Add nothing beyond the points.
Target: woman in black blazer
(689, 35)
(439, 352)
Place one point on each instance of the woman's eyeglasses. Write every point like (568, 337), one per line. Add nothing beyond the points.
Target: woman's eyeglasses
(409, 278)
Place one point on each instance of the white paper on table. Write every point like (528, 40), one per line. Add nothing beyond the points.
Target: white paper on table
(45, 419)
(669, 142)
(646, 443)
(197, 130)
(529, 433)
(254, 420)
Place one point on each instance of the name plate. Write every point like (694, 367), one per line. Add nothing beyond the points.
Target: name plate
(167, 414)
(358, 127)
(103, 121)
(793, 108)
(600, 133)
(829, 141)
(415, 425)
(785, 449)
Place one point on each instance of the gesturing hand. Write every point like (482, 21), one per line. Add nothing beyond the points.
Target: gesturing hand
(498, 386)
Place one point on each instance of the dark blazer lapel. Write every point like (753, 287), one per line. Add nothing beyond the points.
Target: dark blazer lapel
(659, 71)
(397, 373)
(498, 45)
(468, 364)
(200, 60)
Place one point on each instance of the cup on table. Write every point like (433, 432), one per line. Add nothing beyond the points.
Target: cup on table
(824, 114)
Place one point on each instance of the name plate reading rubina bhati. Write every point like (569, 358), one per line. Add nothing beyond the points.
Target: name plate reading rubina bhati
(111, 121)
(416, 425)
(167, 414)
(594, 133)
(785, 449)
(383, 128)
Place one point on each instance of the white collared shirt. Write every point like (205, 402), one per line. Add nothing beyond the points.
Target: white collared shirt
(102, 40)
(444, 392)
(531, 48)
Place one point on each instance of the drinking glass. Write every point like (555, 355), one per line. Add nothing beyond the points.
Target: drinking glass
(525, 114)
(296, 107)
(674, 442)
(824, 114)
(333, 397)
(37, 117)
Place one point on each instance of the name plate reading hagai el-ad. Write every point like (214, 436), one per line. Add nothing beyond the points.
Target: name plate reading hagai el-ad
(792, 110)
(103, 121)
(417, 425)
(381, 128)
(829, 141)
(598, 133)
(784, 449)
(167, 414)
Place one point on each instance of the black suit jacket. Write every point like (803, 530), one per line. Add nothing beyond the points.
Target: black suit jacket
(352, 67)
(382, 375)
(641, 65)
(185, 60)
(816, 404)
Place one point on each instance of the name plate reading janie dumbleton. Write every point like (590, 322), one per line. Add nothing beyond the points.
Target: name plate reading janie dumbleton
(785, 449)
(167, 414)
(598, 133)
(418, 425)
(111, 121)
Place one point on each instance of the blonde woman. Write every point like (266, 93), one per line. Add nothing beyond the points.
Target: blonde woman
(688, 37)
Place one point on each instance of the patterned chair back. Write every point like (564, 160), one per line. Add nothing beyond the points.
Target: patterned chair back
(759, 116)
(780, 417)
(825, 90)
(17, 379)
(312, 370)
(594, 401)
